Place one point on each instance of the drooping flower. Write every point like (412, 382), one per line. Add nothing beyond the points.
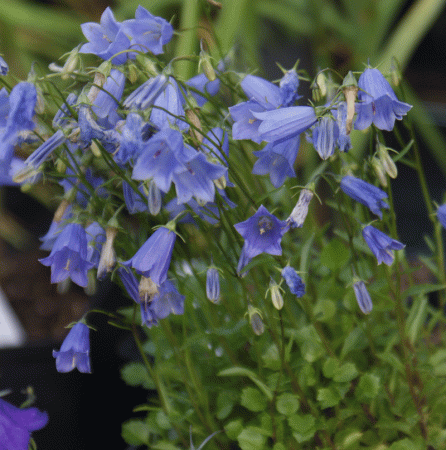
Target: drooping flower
(68, 257)
(168, 300)
(95, 239)
(282, 124)
(75, 350)
(441, 215)
(17, 424)
(300, 211)
(277, 160)
(288, 88)
(262, 233)
(153, 258)
(378, 103)
(362, 297)
(325, 137)
(365, 193)
(380, 244)
(146, 94)
(213, 284)
(293, 281)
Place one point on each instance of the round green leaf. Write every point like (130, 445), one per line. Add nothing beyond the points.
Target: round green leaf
(287, 404)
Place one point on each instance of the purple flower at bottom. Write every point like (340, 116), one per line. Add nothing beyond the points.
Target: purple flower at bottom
(362, 297)
(75, 350)
(69, 256)
(380, 244)
(262, 233)
(153, 258)
(293, 281)
(17, 424)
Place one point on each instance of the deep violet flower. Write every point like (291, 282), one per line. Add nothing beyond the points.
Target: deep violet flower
(17, 424)
(293, 281)
(378, 103)
(75, 350)
(69, 256)
(365, 193)
(153, 258)
(262, 233)
(362, 297)
(381, 245)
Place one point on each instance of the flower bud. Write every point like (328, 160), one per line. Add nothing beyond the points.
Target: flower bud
(154, 197)
(255, 319)
(276, 295)
(319, 87)
(195, 131)
(293, 281)
(206, 65)
(213, 285)
(350, 90)
(108, 257)
(386, 161)
(300, 211)
(379, 170)
(362, 296)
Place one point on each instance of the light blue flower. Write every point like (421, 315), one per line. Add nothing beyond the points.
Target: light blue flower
(213, 284)
(441, 215)
(75, 350)
(365, 193)
(378, 103)
(380, 244)
(363, 297)
(293, 281)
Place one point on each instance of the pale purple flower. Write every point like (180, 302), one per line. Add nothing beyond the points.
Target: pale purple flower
(362, 297)
(380, 244)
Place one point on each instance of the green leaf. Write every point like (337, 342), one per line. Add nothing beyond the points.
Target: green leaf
(405, 444)
(310, 343)
(243, 372)
(335, 255)
(422, 289)
(328, 397)
(368, 387)
(162, 420)
(234, 428)
(135, 374)
(135, 432)
(303, 427)
(253, 399)
(271, 358)
(251, 439)
(324, 310)
(438, 362)
(225, 402)
(416, 319)
(356, 340)
(329, 367)
(164, 445)
(287, 403)
(345, 373)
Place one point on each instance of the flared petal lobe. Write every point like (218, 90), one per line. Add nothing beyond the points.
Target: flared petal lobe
(381, 245)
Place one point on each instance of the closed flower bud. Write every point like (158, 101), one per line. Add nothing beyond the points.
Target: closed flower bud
(362, 296)
(276, 295)
(255, 319)
(108, 257)
(386, 161)
(154, 198)
(206, 65)
(319, 87)
(300, 211)
(380, 172)
(213, 285)
(350, 90)
(195, 129)
(293, 281)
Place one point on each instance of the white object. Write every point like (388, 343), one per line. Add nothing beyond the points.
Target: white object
(12, 333)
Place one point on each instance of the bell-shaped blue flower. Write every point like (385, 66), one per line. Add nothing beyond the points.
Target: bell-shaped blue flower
(95, 239)
(380, 244)
(69, 256)
(168, 300)
(293, 281)
(75, 350)
(262, 91)
(196, 179)
(288, 85)
(106, 38)
(213, 284)
(362, 297)
(131, 143)
(325, 137)
(146, 94)
(365, 193)
(277, 160)
(441, 215)
(148, 33)
(282, 124)
(163, 155)
(133, 200)
(152, 260)
(16, 425)
(262, 233)
(378, 103)
(246, 126)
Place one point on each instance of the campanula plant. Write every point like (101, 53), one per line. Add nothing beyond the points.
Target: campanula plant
(190, 193)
